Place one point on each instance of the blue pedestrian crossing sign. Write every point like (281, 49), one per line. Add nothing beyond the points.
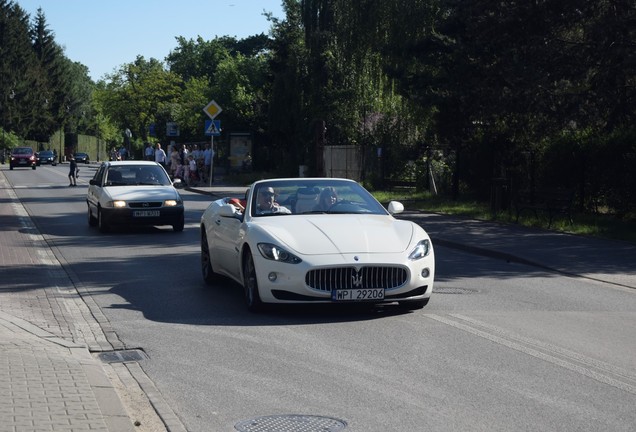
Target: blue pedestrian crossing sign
(213, 128)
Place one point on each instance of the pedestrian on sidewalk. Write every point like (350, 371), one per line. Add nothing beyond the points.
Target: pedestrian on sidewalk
(160, 155)
(72, 172)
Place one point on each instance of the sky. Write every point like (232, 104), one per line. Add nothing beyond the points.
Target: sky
(103, 35)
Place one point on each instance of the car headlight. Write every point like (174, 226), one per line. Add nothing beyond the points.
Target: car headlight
(116, 204)
(422, 249)
(276, 253)
(170, 203)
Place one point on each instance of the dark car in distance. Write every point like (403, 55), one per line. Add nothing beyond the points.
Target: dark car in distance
(46, 157)
(82, 158)
(22, 157)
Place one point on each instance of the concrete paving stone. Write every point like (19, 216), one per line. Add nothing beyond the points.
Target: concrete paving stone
(48, 379)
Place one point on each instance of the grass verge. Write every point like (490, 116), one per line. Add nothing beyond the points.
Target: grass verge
(597, 225)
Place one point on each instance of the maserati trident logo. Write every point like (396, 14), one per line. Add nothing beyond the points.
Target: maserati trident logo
(356, 279)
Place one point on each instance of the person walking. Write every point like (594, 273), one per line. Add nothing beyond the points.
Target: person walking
(208, 157)
(175, 162)
(149, 152)
(160, 155)
(72, 172)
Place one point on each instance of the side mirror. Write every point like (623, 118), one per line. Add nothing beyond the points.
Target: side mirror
(93, 182)
(229, 210)
(178, 183)
(395, 207)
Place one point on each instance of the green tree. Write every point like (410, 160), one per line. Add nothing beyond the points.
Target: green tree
(49, 96)
(200, 58)
(139, 94)
(18, 67)
(287, 122)
(240, 83)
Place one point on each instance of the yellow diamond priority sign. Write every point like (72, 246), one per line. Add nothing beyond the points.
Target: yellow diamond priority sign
(212, 109)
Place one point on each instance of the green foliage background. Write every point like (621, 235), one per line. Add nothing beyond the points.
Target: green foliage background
(466, 93)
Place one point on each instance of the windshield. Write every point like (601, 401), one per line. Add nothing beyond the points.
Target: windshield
(22, 150)
(313, 196)
(146, 175)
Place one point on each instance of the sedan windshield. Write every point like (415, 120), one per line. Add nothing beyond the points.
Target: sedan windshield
(143, 175)
(22, 150)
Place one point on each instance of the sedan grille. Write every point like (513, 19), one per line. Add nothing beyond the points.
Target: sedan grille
(329, 279)
(145, 204)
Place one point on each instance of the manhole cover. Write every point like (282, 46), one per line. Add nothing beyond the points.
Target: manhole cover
(291, 423)
(453, 290)
(122, 356)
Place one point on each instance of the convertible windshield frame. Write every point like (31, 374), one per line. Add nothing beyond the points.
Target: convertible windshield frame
(352, 197)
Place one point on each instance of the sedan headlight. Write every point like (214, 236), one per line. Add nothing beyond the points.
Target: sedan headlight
(276, 253)
(422, 249)
(170, 203)
(116, 204)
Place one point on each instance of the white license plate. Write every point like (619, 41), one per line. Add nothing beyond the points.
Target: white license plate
(146, 213)
(357, 294)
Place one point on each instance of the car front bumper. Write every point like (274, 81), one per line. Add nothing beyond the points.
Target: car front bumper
(128, 216)
(21, 162)
(289, 284)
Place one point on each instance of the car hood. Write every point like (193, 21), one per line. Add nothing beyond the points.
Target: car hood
(345, 234)
(142, 193)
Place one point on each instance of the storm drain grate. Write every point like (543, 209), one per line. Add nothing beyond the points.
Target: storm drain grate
(291, 423)
(123, 356)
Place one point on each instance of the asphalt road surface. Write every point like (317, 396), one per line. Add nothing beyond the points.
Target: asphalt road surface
(500, 347)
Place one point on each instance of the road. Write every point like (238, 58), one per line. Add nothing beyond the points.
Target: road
(500, 347)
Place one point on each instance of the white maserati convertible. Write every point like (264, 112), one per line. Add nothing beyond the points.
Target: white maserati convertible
(316, 240)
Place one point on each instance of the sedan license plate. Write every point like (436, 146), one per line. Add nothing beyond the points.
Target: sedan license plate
(146, 213)
(357, 294)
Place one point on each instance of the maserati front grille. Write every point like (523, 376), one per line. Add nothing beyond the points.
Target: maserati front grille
(328, 279)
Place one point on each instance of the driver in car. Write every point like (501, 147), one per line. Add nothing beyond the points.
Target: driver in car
(266, 203)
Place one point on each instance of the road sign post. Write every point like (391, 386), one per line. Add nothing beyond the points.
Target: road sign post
(212, 109)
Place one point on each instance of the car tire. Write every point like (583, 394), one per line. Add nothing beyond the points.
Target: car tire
(413, 305)
(92, 221)
(209, 276)
(250, 284)
(178, 227)
(101, 223)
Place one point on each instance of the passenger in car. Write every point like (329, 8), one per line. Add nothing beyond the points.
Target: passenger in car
(328, 197)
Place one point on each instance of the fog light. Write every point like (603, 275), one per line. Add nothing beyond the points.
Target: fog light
(272, 277)
(426, 273)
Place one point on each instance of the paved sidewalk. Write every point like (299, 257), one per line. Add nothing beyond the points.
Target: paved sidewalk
(49, 381)
(50, 384)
